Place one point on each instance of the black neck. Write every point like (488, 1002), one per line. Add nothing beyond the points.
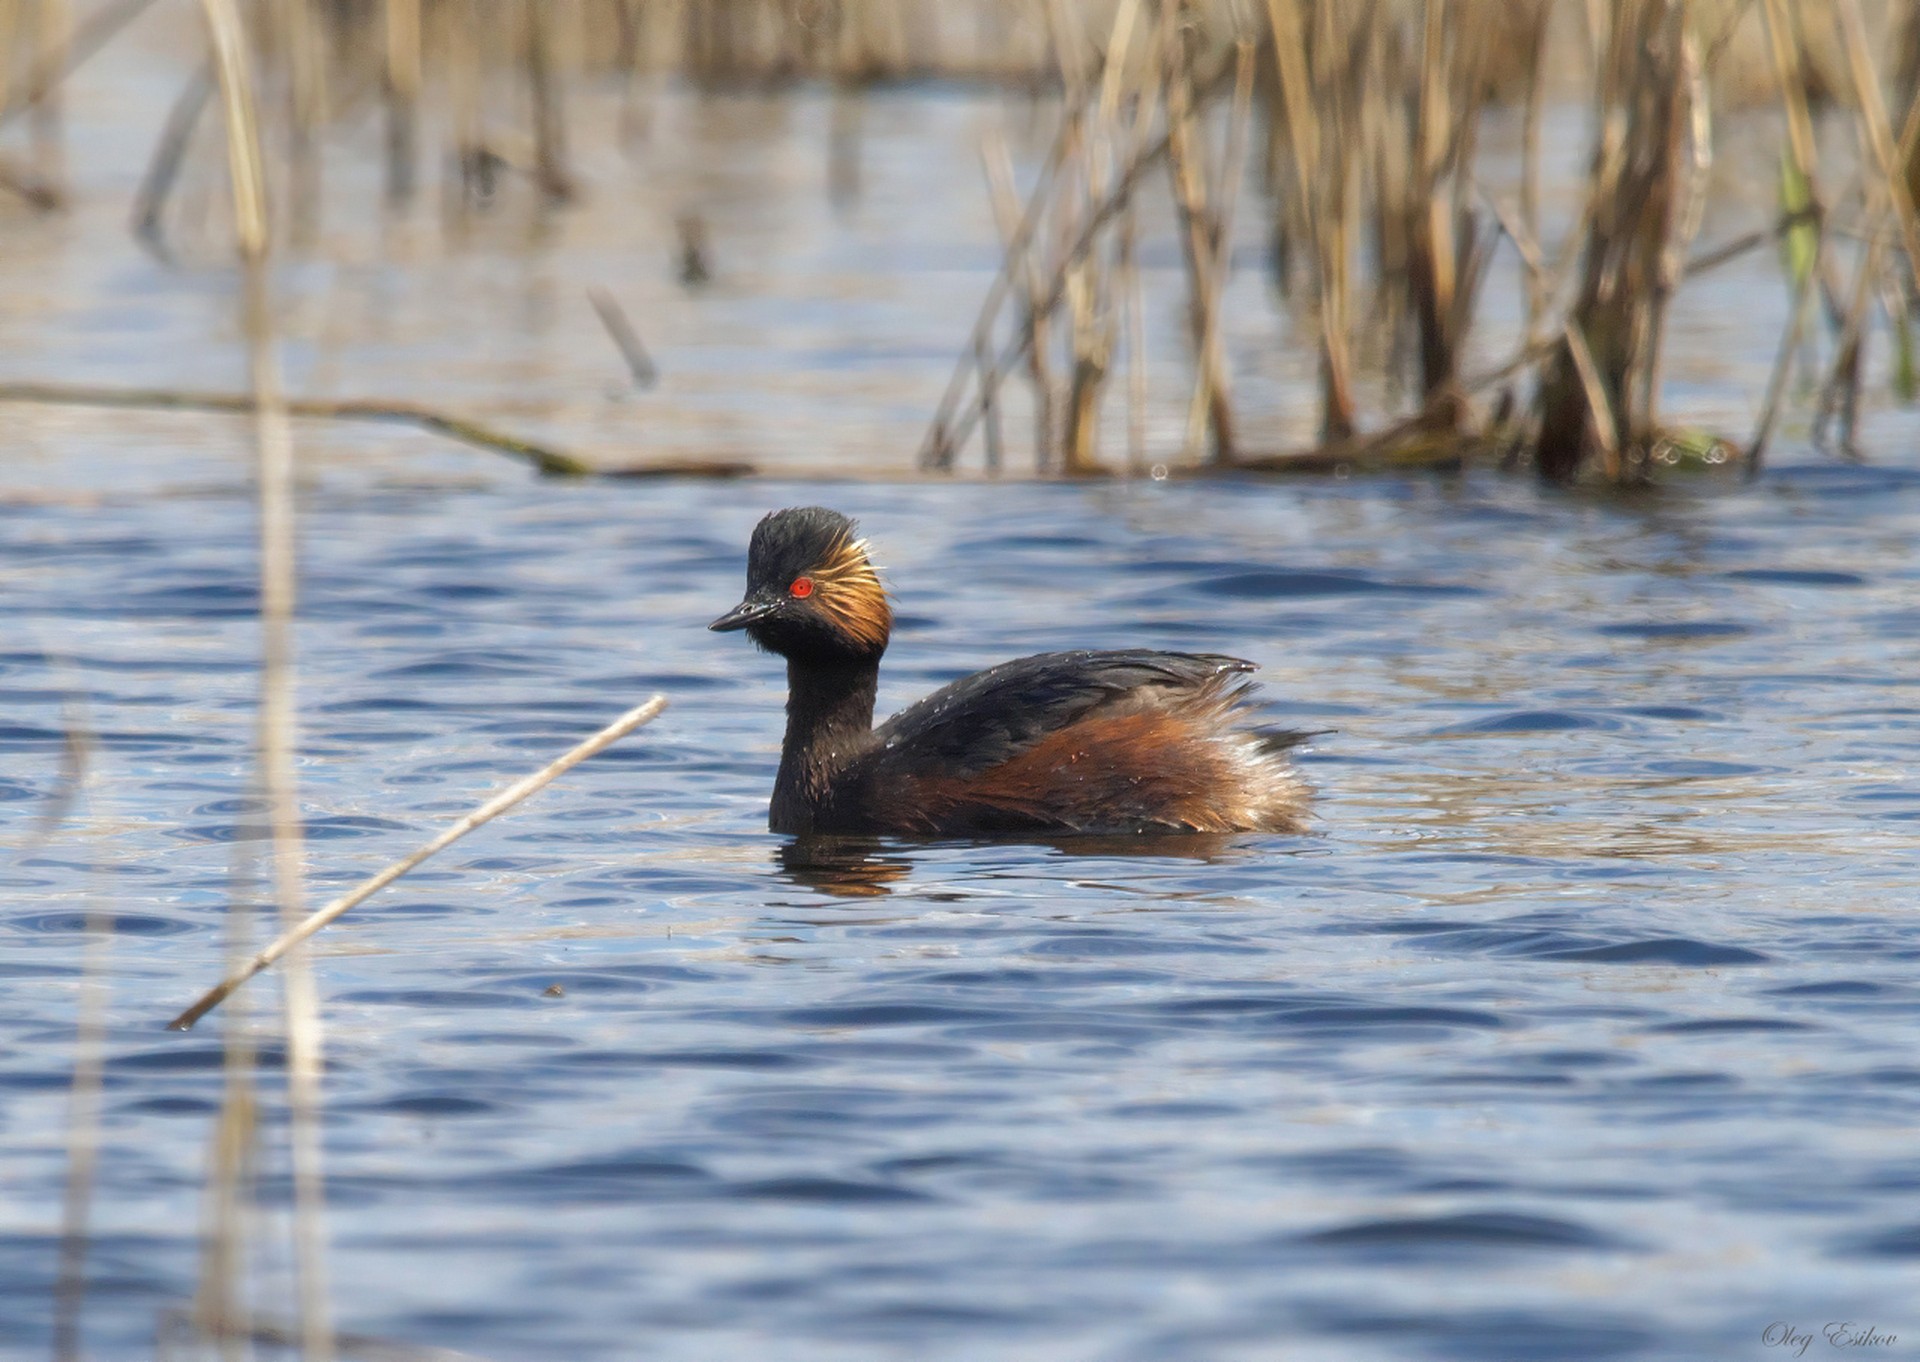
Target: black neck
(829, 715)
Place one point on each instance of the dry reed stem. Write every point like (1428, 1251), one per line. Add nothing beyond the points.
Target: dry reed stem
(1841, 391)
(551, 171)
(1873, 113)
(276, 736)
(50, 69)
(1606, 430)
(1756, 450)
(1206, 240)
(52, 35)
(89, 1053)
(1133, 295)
(1793, 93)
(990, 417)
(466, 429)
(83, 1137)
(1714, 257)
(9, 44)
(466, 125)
(1034, 321)
(1099, 133)
(1322, 197)
(1639, 208)
(220, 1301)
(487, 812)
(169, 154)
(306, 113)
(941, 444)
(402, 88)
(625, 339)
(952, 425)
(1533, 104)
(1385, 448)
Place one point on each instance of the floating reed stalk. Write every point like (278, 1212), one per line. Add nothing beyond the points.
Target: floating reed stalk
(486, 813)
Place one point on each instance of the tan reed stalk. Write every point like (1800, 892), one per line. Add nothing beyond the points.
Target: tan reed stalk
(1537, 17)
(1692, 130)
(1089, 325)
(1593, 388)
(53, 41)
(1639, 208)
(468, 165)
(1127, 141)
(1873, 114)
(625, 339)
(402, 91)
(993, 441)
(89, 1048)
(221, 1301)
(306, 60)
(550, 165)
(1756, 449)
(1322, 195)
(1035, 321)
(1200, 238)
(1134, 303)
(1793, 99)
(1431, 241)
(83, 1137)
(45, 72)
(1906, 86)
(942, 443)
(635, 50)
(10, 46)
(953, 424)
(1211, 406)
(277, 741)
(169, 154)
(1840, 394)
(487, 812)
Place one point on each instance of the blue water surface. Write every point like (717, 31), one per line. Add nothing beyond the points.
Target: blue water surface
(1583, 1025)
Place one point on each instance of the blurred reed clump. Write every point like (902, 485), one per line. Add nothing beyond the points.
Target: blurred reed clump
(1352, 129)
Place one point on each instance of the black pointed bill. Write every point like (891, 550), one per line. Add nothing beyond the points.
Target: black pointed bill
(743, 614)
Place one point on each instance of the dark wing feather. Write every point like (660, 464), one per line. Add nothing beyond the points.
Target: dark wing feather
(982, 720)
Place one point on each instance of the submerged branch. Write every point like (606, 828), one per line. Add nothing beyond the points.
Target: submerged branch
(547, 459)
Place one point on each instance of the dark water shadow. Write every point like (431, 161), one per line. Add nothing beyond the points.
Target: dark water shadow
(867, 867)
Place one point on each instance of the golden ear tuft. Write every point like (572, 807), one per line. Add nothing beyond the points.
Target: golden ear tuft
(849, 592)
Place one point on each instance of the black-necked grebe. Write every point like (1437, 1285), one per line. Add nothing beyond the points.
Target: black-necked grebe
(1082, 742)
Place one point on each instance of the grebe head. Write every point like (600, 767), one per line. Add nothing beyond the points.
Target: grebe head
(812, 594)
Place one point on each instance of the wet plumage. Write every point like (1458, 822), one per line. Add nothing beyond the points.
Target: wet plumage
(1128, 740)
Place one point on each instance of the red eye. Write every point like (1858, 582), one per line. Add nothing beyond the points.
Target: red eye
(802, 587)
